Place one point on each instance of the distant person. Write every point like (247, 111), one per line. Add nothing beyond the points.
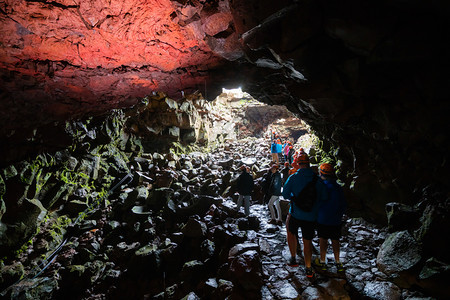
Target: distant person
(295, 167)
(265, 185)
(245, 188)
(273, 150)
(291, 154)
(298, 218)
(285, 172)
(279, 150)
(286, 150)
(275, 193)
(329, 218)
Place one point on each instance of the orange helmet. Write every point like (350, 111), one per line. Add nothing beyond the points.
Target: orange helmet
(302, 159)
(286, 164)
(326, 169)
(301, 150)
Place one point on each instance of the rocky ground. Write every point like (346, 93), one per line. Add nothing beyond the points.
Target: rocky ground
(170, 231)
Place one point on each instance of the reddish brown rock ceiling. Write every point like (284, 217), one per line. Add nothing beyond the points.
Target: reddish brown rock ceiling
(69, 57)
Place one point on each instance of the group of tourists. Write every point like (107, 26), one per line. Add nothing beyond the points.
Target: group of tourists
(281, 152)
(317, 203)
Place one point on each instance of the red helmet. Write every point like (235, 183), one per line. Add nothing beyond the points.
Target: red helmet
(326, 169)
(286, 164)
(302, 159)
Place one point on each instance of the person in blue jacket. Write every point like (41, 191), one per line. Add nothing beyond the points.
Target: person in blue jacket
(298, 218)
(279, 150)
(329, 218)
(273, 150)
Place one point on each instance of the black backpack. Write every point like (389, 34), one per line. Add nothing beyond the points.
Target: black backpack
(307, 197)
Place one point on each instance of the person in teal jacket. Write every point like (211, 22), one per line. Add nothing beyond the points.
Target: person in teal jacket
(329, 218)
(298, 218)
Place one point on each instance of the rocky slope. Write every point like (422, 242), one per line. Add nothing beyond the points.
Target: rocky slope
(104, 218)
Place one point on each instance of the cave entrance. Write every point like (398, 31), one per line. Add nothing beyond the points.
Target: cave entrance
(257, 119)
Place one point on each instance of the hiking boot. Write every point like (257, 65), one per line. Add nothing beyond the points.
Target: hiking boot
(320, 265)
(309, 273)
(292, 262)
(339, 267)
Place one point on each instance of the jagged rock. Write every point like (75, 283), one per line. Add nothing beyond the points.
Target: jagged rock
(434, 275)
(165, 178)
(226, 164)
(144, 259)
(207, 248)
(399, 253)
(285, 290)
(30, 289)
(401, 217)
(434, 225)
(192, 271)
(246, 270)
(241, 248)
(224, 289)
(194, 228)
(382, 290)
(191, 296)
(10, 274)
(159, 197)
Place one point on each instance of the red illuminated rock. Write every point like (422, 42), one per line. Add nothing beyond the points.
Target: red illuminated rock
(73, 57)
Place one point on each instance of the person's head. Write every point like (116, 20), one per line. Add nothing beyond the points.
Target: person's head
(286, 164)
(243, 168)
(326, 170)
(301, 150)
(303, 160)
(274, 168)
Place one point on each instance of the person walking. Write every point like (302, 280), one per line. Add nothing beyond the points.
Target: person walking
(291, 154)
(245, 188)
(298, 218)
(273, 150)
(285, 172)
(275, 193)
(265, 186)
(329, 218)
(279, 149)
(286, 150)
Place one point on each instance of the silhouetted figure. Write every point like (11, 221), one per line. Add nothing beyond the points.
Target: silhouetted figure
(275, 193)
(245, 188)
(299, 218)
(329, 218)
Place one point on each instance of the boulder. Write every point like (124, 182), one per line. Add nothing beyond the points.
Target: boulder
(397, 257)
(246, 270)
